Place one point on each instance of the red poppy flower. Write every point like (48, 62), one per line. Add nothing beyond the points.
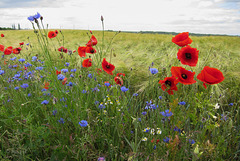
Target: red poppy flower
(182, 39)
(169, 83)
(8, 50)
(46, 86)
(118, 80)
(17, 50)
(210, 76)
(98, 71)
(51, 34)
(2, 35)
(92, 41)
(87, 63)
(90, 50)
(56, 31)
(64, 81)
(152, 140)
(188, 56)
(5, 62)
(21, 43)
(120, 74)
(1, 48)
(184, 76)
(63, 49)
(58, 72)
(74, 51)
(82, 51)
(107, 67)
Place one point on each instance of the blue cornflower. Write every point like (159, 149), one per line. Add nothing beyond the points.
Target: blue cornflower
(150, 105)
(167, 113)
(73, 70)
(14, 58)
(95, 89)
(160, 97)
(36, 16)
(135, 94)
(144, 113)
(2, 72)
(153, 70)
(71, 75)
(84, 91)
(62, 99)
(177, 129)
(70, 84)
(27, 44)
(67, 64)
(16, 88)
(96, 102)
(155, 147)
(124, 89)
(25, 85)
(34, 58)
(224, 117)
(83, 123)
(39, 68)
(182, 103)
(166, 140)
(191, 141)
(21, 60)
(61, 77)
(15, 66)
(27, 64)
(139, 119)
(107, 84)
(90, 75)
(17, 75)
(64, 70)
(101, 106)
(29, 73)
(61, 121)
(45, 102)
(29, 94)
(43, 90)
(230, 104)
(54, 112)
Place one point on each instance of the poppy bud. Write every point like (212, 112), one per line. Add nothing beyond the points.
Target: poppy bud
(101, 18)
(36, 21)
(41, 18)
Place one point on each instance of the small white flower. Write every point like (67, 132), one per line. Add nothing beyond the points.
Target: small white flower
(217, 106)
(159, 132)
(144, 139)
(152, 132)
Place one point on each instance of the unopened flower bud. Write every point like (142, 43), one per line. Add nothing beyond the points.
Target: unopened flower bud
(41, 18)
(101, 18)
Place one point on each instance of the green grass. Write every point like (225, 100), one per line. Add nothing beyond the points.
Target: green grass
(30, 131)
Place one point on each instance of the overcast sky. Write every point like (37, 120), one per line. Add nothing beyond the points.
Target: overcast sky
(196, 16)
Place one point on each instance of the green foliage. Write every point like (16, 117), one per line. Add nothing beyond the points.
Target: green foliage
(34, 131)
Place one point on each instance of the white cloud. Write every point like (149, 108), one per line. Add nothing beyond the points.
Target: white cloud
(199, 16)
